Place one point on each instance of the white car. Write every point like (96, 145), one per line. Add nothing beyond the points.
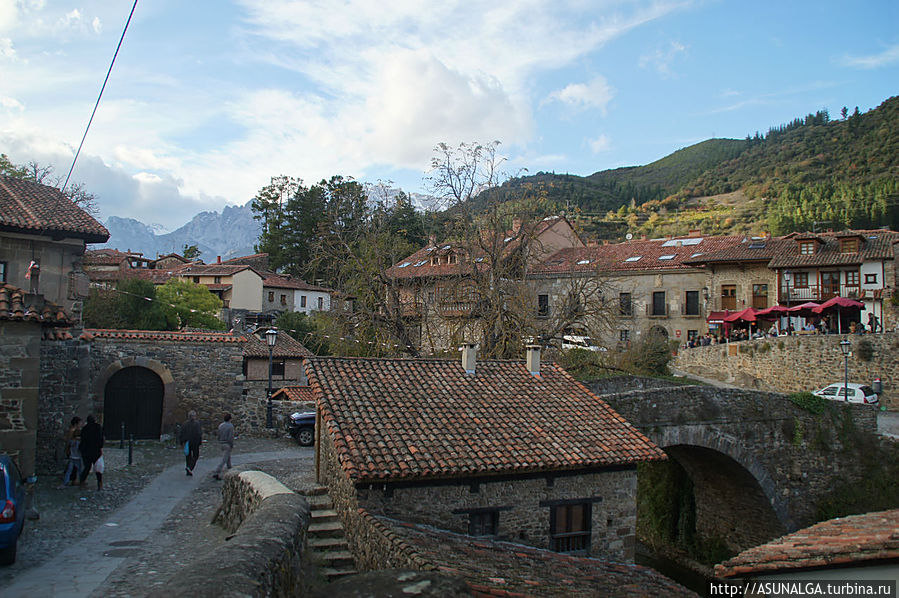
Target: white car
(570, 341)
(858, 393)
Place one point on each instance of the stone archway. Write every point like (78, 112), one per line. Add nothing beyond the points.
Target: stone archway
(154, 378)
(132, 404)
(657, 330)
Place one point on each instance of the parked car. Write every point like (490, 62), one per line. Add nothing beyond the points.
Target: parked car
(858, 393)
(571, 341)
(12, 508)
(302, 427)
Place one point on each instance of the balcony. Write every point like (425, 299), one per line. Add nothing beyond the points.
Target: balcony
(793, 294)
(459, 309)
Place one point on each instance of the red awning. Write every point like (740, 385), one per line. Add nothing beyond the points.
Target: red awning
(747, 315)
(839, 302)
(773, 311)
(717, 317)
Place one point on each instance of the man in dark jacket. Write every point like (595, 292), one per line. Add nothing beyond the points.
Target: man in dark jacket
(192, 436)
(91, 449)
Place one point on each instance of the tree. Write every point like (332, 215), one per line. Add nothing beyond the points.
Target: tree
(132, 305)
(190, 305)
(307, 329)
(191, 252)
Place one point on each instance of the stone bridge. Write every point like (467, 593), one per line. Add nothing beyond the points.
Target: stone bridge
(759, 463)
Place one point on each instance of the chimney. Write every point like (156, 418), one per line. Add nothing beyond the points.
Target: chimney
(592, 243)
(533, 359)
(696, 232)
(469, 357)
(432, 240)
(218, 259)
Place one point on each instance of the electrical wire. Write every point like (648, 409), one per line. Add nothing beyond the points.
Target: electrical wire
(97, 103)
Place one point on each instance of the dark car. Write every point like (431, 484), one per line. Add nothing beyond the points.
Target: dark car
(302, 427)
(12, 509)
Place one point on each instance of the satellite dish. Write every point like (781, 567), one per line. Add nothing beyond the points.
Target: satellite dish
(629, 236)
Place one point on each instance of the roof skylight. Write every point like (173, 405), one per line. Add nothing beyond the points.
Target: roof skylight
(634, 258)
(666, 257)
(682, 242)
(582, 262)
(404, 264)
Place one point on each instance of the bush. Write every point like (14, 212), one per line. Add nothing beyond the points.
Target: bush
(809, 402)
(647, 357)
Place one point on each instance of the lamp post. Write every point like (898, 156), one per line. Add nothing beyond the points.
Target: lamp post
(271, 337)
(844, 347)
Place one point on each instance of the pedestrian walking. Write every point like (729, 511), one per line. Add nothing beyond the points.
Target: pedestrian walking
(74, 465)
(92, 441)
(226, 441)
(192, 437)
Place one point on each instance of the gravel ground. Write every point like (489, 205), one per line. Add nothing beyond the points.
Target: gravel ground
(71, 513)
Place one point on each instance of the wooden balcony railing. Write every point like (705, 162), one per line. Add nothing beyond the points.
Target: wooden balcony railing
(793, 294)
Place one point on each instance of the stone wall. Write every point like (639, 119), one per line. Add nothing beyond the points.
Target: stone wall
(19, 379)
(523, 517)
(795, 456)
(264, 555)
(799, 362)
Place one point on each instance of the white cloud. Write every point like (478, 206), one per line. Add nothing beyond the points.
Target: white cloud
(887, 57)
(600, 144)
(8, 103)
(595, 94)
(6, 49)
(662, 59)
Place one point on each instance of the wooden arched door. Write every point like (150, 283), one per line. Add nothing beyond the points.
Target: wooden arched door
(133, 395)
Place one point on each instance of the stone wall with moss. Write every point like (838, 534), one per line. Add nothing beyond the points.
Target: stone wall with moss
(799, 363)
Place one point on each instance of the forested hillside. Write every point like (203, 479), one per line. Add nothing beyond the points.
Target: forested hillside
(814, 172)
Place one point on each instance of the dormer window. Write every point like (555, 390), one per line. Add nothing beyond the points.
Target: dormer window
(435, 261)
(451, 258)
(806, 248)
(849, 245)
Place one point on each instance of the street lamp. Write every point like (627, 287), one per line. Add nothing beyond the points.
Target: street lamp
(844, 347)
(271, 337)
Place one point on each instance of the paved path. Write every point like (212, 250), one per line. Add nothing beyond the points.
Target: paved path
(81, 568)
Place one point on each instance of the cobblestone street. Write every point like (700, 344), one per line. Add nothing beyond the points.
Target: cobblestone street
(149, 519)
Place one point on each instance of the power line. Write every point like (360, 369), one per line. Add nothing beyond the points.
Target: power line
(97, 103)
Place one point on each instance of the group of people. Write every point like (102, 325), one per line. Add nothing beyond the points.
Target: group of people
(84, 452)
(191, 436)
(819, 326)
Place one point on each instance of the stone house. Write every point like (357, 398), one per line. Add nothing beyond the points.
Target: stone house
(431, 283)
(651, 284)
(505, 449)
(287, 361)
(25, 320)
(42, 242)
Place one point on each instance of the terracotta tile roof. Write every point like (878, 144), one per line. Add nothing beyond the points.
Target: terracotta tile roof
(837, 542)
(301, 394)
(651, 254)
(285, 347)
(750, 249)
(34, 208)
(218, 287)
(213, 270)
(878, 245)
(427, 418)
(16, 307)
(110, 257)
(496, 567)
(276, 281)
(164, 335)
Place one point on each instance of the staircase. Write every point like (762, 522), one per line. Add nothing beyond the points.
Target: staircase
(325, 539)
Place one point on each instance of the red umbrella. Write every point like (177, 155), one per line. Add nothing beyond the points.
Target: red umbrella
(775, 311)
(839, 302)
(805, 309)
(747, 315)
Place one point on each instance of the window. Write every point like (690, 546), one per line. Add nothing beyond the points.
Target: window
(658, 304)
(321, 303)
(760, 296)
(302, 300)
(569, 527)
(283, 299)
(435, 261)
(852, 279)
(625, 307)
(801, 280)
(848, 245)
(196, 280)
(692, 334)
(624, 335)
(542, 306)
(271, 296)
(483, 523)
(216, 280)
(3, 271)
(430, 296)
(692, 303)
(806, 248)
(451, 259)
(869, 278)
(728, 296)
(278, 368)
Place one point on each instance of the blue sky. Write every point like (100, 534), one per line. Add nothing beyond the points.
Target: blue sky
(208, 100)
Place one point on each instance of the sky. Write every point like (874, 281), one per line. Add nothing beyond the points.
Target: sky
(209, 100)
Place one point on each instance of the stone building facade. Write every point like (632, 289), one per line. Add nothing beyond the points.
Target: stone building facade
(387, 446)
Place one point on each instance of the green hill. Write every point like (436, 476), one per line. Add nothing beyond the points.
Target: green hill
(812, 172)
